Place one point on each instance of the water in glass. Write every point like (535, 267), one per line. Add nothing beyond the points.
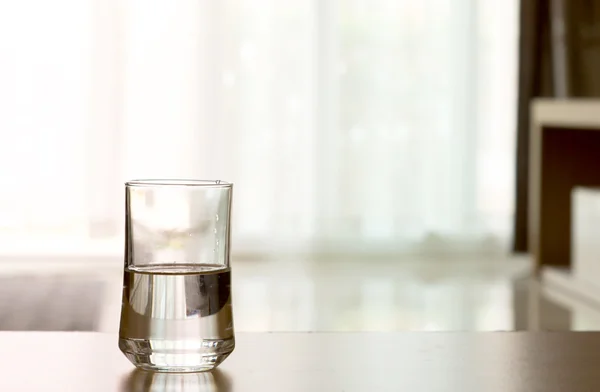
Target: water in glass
(177, 317)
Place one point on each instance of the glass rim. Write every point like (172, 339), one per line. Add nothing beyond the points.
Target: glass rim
(178, 183)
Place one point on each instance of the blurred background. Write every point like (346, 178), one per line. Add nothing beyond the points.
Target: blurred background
(380, 152)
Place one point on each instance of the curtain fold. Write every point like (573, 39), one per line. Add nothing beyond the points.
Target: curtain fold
(535, 80)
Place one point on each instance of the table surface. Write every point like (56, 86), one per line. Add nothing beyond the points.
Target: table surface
(425, 361)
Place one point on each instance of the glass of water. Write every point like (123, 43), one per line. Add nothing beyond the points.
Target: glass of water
(176, 313)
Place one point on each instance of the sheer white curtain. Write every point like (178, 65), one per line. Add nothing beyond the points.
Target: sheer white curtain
(349, 125)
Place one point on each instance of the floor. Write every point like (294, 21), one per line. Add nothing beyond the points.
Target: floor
(435, 294)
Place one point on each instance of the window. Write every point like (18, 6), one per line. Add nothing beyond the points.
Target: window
(350, 125)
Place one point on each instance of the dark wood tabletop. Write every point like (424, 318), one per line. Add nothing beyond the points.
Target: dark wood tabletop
(426, 361)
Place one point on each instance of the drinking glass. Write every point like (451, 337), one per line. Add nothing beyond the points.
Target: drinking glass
(176, 312)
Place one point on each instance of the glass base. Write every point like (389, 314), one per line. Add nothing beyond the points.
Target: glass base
(176, 356)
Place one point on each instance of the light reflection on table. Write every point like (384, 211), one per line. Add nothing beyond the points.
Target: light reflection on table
(142, 381)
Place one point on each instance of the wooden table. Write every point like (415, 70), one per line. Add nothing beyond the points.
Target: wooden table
(461, 362)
